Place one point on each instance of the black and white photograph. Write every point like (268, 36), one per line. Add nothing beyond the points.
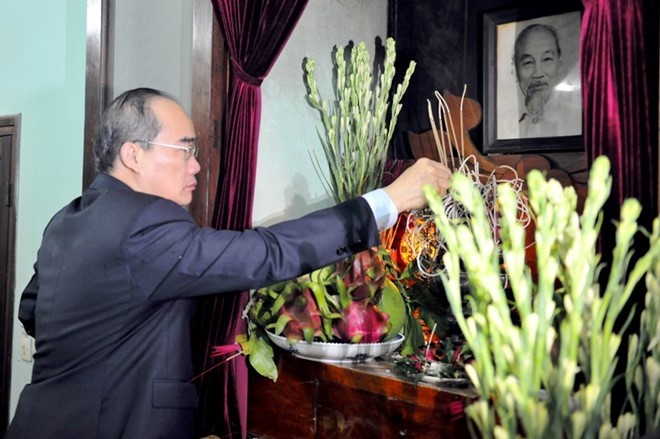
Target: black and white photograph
(532, 81)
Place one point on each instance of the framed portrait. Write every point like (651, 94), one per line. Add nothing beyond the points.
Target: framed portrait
(531, 81)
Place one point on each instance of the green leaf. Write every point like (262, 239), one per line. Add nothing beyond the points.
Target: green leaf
(414, 337)
(261, 357)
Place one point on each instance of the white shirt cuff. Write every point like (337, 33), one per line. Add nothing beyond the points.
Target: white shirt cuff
(383, 208)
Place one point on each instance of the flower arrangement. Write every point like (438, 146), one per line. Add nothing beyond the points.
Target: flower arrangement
(357, 300)
(425, 241)
(445, 353)
(545, 351)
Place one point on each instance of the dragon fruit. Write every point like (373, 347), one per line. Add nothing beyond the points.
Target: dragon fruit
(300, 318)
(369, 300)
(362, 322)
(352, 301)
(363, 276)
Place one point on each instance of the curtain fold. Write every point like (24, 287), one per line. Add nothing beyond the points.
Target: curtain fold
(619, 73)
(619, 53)
(256, 32)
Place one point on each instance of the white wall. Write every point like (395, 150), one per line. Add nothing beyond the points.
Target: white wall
(153, 47)
(287, 185)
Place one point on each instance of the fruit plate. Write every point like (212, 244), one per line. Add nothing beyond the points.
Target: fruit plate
(337, 352)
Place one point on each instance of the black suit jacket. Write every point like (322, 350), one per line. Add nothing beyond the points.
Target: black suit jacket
(111, 300)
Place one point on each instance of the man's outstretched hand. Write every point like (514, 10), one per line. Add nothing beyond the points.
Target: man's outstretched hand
(407, 190)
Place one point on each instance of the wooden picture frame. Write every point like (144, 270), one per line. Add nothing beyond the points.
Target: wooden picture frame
(531, 80)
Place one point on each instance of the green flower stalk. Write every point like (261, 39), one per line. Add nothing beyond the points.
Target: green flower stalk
(643, 367)
(531, 339)
(359, 123)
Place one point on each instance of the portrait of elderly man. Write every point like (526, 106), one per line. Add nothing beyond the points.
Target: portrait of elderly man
(551, 106)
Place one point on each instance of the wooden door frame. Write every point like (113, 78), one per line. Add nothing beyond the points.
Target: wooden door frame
(9, 125)
(209, 92)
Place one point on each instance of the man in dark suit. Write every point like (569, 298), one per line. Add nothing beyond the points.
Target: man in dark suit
(112, 295)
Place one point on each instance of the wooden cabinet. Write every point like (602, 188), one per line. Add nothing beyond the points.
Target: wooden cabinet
(319, 400)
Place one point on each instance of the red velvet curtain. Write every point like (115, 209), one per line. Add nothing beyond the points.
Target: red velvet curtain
(619, 50)
(255, 31)
(619, 68)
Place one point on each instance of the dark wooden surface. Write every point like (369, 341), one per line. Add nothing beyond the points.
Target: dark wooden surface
(9, 132)
(99, 51)
(317, 400)
(210, 71)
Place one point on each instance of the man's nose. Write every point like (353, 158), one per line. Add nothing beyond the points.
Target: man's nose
(194, 165)
(538, 71)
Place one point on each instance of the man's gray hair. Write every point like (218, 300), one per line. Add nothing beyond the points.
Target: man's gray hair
(128, 118)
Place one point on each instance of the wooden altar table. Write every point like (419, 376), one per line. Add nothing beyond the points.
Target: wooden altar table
(319, 400)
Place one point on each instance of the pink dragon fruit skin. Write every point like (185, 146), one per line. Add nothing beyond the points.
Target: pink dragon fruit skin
(362, 323)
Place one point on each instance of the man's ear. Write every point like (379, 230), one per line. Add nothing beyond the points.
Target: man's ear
(130, 154)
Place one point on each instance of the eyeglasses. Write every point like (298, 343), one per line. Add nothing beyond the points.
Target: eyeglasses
(190, 151)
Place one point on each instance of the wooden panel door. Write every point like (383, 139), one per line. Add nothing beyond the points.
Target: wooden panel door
(210, 70)
(8, 159)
